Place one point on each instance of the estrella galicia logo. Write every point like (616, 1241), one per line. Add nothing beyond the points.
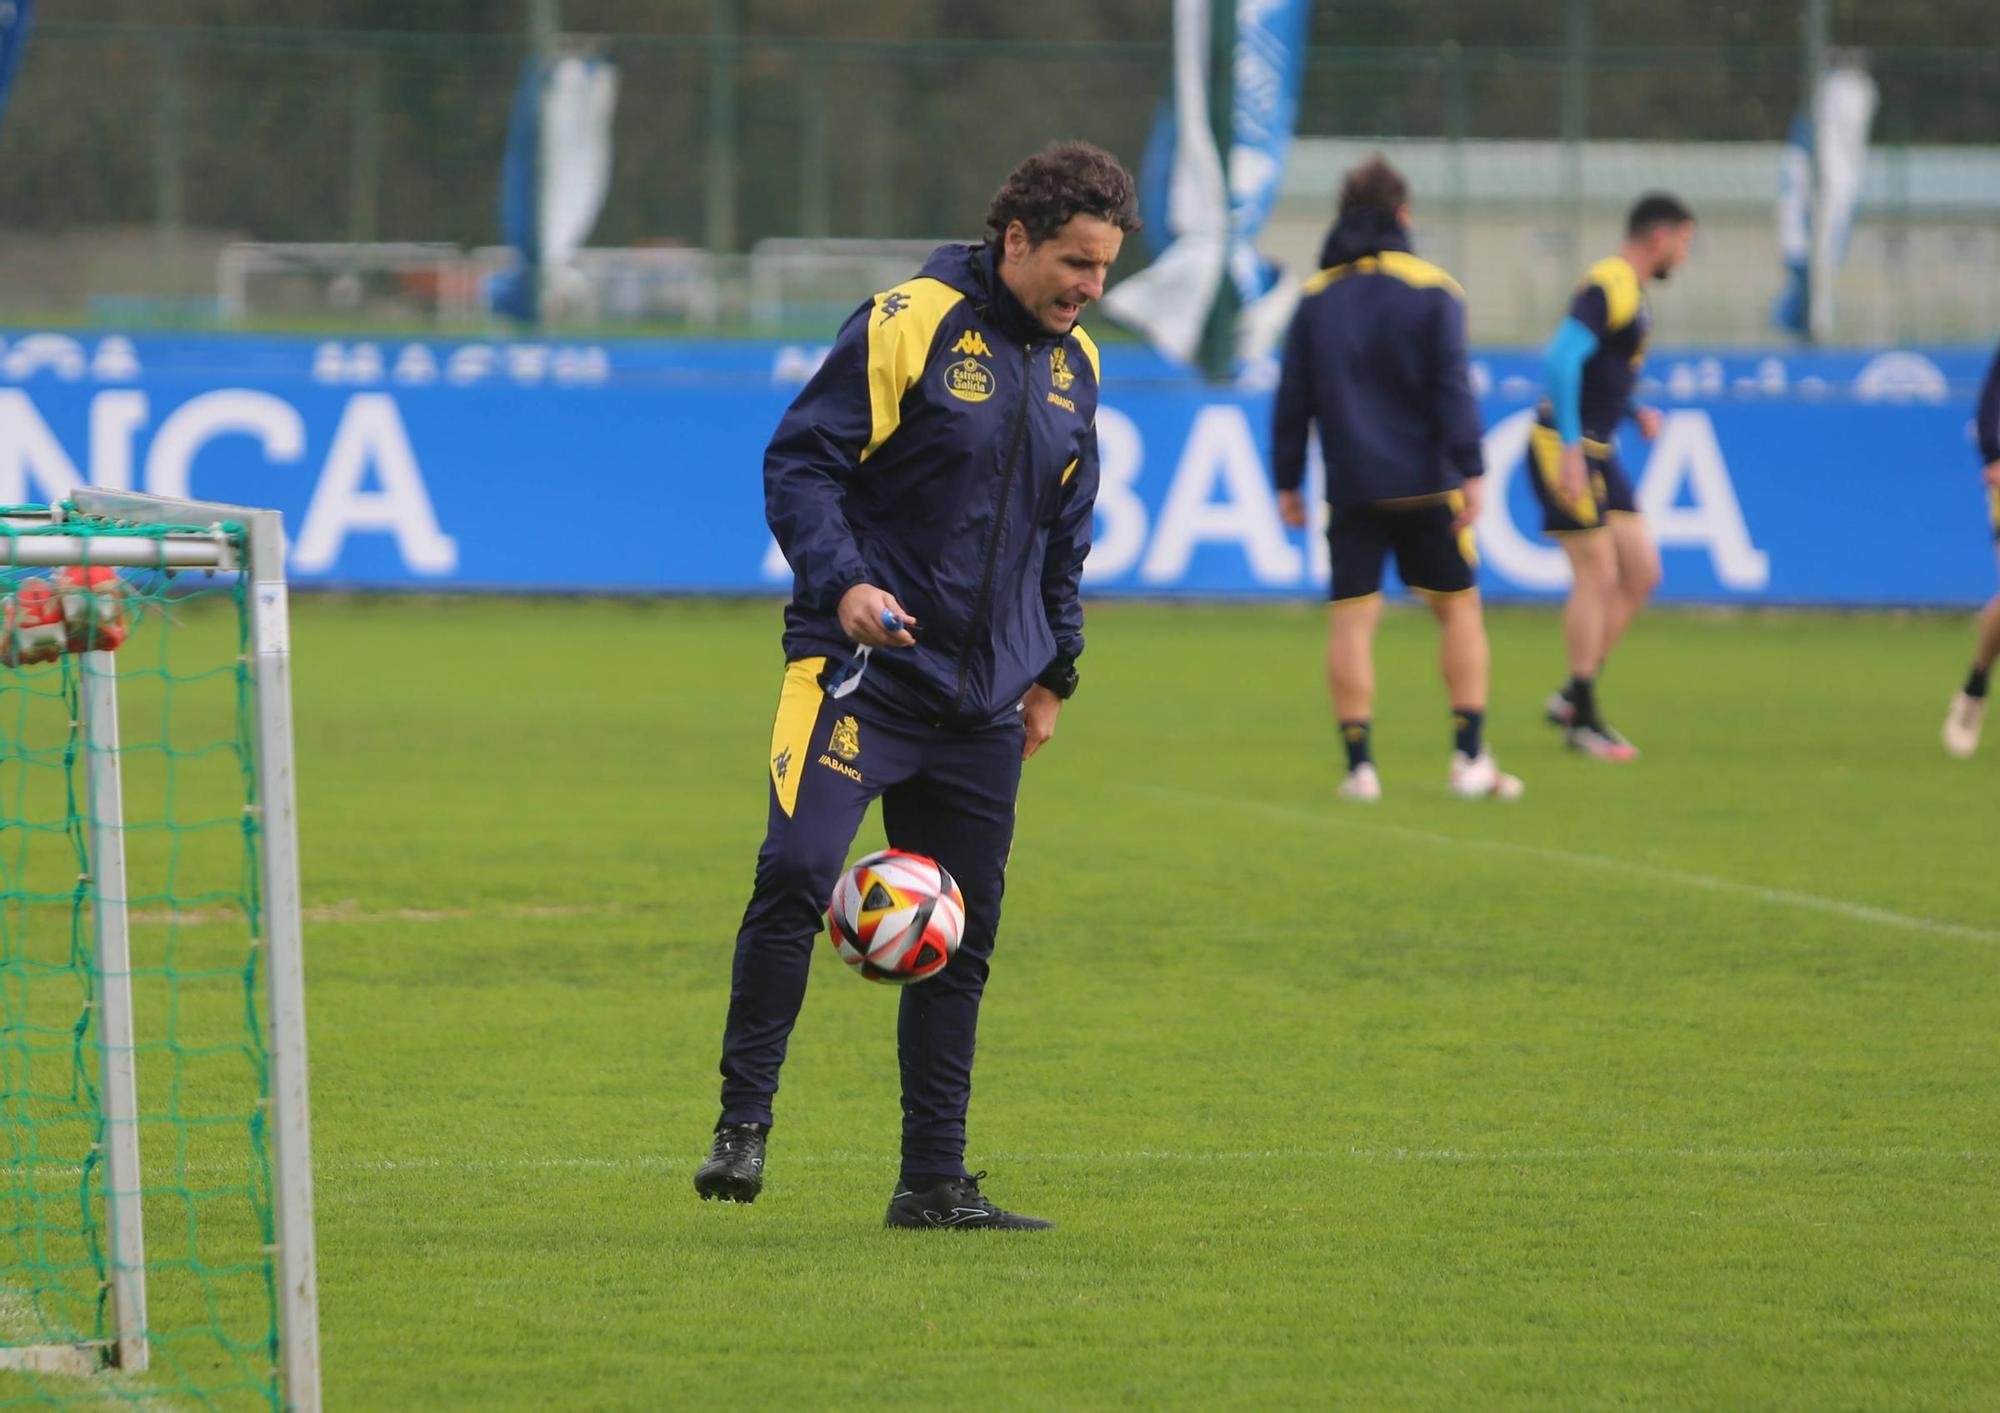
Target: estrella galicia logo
(968, 380)
(893, 303)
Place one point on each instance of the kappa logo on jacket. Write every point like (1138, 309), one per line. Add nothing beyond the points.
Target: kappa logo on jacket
(972, 341)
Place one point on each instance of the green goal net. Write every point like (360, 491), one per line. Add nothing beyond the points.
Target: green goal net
(150, 1250)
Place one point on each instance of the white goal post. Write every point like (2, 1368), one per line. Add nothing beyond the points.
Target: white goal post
(227, 540)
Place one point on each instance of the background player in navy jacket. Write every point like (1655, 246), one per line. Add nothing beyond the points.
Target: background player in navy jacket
(1376, 357)
(1588, 502)
(1968, 708)
(931, 488)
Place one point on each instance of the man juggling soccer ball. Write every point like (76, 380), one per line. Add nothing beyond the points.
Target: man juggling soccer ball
(931, 488)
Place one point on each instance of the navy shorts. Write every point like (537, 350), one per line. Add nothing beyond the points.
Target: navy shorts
(1609, 489)
(1430, 555)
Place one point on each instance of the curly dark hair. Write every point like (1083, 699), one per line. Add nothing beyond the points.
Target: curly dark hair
(1063, 180)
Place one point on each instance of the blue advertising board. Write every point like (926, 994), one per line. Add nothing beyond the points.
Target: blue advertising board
(1808, 478)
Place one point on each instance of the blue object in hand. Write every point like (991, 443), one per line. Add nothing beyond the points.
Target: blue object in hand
(890, 621)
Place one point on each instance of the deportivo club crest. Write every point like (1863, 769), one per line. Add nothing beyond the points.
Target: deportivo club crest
(968, 380)
(1059, 372)
(846, 739)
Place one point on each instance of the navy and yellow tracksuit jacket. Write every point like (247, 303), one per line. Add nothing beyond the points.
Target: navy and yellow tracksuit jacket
(1376, 356)
(947, 452)
(1595, 361)
(1986, 431)
(1986, 419)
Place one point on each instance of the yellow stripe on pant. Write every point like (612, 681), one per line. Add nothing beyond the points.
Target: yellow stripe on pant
(1546, 444)
(791, 733)
(1468, 544)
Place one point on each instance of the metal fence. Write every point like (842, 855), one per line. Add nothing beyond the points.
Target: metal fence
(133, 156)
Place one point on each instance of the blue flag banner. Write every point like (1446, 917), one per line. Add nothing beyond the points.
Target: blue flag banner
(1792, 311)
(1270, 61)
(516, 292)
(15, 18)
(1840, 478)
(554, 175)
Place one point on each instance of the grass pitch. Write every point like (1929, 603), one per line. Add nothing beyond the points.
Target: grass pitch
(1670, 1085)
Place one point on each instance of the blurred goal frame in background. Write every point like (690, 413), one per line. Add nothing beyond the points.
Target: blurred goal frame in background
(781, 285)
(37, 539)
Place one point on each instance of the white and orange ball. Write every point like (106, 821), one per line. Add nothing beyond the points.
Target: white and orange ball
(896, 917)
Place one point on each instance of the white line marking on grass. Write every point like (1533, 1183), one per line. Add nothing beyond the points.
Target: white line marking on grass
(841, 1158)
(1604, 863)
(349, 910)
(1349, 1153)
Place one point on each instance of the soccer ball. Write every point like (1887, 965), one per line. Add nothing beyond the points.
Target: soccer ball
(896, 917)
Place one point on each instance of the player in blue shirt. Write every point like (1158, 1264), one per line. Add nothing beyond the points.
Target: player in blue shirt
(1968, 708)
(1587, 499)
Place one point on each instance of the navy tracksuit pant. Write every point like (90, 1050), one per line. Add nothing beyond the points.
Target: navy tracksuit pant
(946, 793)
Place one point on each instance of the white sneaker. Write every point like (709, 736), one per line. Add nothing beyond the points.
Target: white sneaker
(1482, 778)
(1362, 783)
(1961, 725)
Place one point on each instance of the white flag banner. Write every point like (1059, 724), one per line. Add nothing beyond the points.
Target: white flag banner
(577, 103)
(1169, 300)
(1843, 111)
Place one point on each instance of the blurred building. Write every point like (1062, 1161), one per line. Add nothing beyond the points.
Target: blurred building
(195, 161)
